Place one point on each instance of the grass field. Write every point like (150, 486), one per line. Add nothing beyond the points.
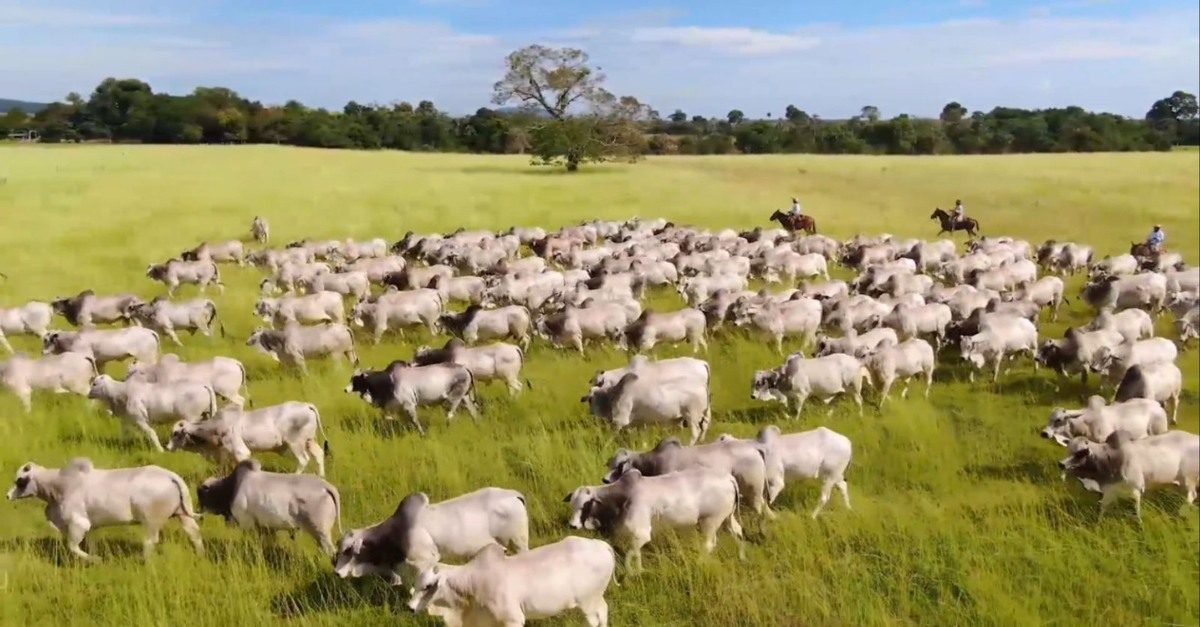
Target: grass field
(959, 514)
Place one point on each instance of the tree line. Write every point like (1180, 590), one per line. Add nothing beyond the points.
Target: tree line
(565, 116)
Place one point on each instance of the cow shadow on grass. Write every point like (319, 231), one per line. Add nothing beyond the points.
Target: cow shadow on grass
(1031, 471)
(53, 550)
(330, 593)
(1081, 507)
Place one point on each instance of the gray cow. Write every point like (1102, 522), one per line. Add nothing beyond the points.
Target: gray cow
(1124, 464)
(799, 378)
(32, 318)
(68, 372)
(86, 309)
(815, 454)
(635, 400)
(1138, 417)
(233, 433)
(752, 465)
(167, 317)
(230, 251)
(420, 534)
(397, 309)
(143, 403)
(476, 324)
(271, 501)
(294, 344)
(309, 308)
(673, 326)
(630, 507)
(403, 387)
(176, 272)
(497, 361)
(260, 231)
(225, 375)
(80, 497)
(105, 345)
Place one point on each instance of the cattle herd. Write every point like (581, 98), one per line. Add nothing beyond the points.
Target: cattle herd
(910, 303)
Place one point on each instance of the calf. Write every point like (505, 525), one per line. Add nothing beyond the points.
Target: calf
(1138, 417)
(492, 589)
(477, 323)
(81, 497)
(815, 454)
(177, 272)
(629, 508)
(68, 372)
(419, 534)
(105, 345)
(294, 344)
(402, 387)
(32, 318)
(233, 434)
(799, 378)
(167, 317)
(269, 501)
(1122, 463)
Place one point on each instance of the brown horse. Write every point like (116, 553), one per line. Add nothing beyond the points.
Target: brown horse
(949, 225)
(1143, 250)
(795, 223)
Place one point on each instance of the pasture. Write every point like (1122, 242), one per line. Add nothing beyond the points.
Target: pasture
(959, 513)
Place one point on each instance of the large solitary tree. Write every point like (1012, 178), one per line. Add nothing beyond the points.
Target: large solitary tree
(582, 121)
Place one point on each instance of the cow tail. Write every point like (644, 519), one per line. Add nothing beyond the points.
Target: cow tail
(245, 386)
(217, 274)
(212, 402)
(185, 499)
(521, 352)
(337, 505)
(212, 316)
(321, 428)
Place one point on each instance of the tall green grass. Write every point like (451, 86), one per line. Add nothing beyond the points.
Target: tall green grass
(959, 513)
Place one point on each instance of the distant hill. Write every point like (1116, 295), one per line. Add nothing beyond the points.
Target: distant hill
(7, 105)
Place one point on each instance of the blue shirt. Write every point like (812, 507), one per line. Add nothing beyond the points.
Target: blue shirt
(1157, 237)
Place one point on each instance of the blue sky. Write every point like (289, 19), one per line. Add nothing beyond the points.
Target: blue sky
(829, 58)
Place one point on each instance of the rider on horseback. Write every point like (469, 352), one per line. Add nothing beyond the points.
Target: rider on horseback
(795, 210)
(1156, 239)
(960, 213)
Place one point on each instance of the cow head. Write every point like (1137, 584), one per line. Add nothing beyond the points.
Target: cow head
(103, 387)
(966, 347)
(25, 484)
(1058, 428)
(157, 271)
(620, 463)
(765, 385)
(580, 500)
(266, 308)
(216, 494)
(56, 342)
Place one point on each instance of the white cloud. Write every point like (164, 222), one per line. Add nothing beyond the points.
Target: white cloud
(24, 15)
(738, 41)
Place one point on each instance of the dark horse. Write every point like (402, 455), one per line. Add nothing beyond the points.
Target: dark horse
(970, 225)
(795, 223)
(1143, 250)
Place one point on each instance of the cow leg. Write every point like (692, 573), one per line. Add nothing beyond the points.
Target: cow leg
(928, 381)
(1175, 408)
(513, 381)
(845, 490)
(4, 342)
(709, 528)
(193, 532)
(578, 342)
(826, 490)
(411, 410)
(735, 530)
(595, 612)
(1136, 493)
(170, 331)
(26, 397)
(996, 370)
(883, 393)
(150, 434)
(907, 384)
(151, 537)
(300, 452)
(800, 404)
(77, 529)
(779, 342)
(318, 455)
(1108, 495)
